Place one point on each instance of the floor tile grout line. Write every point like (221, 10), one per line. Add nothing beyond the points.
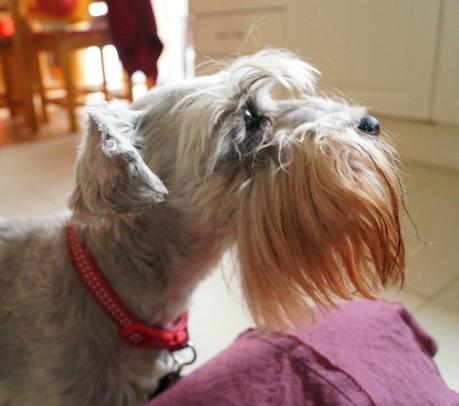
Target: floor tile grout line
(416, 292)
(440, 291)
(44, 195)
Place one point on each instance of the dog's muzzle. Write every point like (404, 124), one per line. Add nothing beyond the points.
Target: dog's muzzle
(369, 125)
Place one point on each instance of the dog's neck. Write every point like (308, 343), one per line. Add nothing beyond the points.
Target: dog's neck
(155, 259)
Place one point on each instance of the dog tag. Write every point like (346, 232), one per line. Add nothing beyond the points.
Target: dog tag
(166, 382)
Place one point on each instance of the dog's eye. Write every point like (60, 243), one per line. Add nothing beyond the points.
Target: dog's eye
(251, 118)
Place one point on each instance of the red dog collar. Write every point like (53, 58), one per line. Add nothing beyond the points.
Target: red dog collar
(130, 328)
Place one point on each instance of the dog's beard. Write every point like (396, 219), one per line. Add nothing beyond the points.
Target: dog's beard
(314, 210)
(323, 223)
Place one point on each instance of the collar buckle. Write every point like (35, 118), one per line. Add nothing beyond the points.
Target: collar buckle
(155, 337)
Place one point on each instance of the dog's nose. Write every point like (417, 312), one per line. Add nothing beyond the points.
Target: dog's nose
(369, 125)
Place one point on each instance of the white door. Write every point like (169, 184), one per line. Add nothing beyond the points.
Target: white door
(381, 53)
(446, 92)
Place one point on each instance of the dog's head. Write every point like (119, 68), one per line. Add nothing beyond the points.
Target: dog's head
(303, 185)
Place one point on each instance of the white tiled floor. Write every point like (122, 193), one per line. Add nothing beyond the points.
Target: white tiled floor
(35, 179)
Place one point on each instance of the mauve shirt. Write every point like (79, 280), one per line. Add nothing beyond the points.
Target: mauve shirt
(364, 353)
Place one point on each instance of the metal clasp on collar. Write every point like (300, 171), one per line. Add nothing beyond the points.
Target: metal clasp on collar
(180, 358)
(184, 356)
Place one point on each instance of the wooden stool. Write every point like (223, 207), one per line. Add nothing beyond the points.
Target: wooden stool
(63, 43)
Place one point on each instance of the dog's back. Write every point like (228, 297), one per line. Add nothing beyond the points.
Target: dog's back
(28, 250)
(25, 243)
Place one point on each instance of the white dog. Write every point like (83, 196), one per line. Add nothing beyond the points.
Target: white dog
(303, 187)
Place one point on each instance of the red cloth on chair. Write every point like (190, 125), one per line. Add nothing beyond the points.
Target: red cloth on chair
(133, 28)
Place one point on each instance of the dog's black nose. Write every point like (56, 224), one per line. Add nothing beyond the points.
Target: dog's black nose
(369, 125)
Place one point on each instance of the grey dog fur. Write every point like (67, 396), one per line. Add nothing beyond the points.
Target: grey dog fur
(134, 208)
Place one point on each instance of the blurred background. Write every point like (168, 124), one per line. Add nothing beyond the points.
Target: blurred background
(398, 57)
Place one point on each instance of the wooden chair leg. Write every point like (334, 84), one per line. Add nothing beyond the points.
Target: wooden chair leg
(64, 58)
(6, 76)
(104, 75)
(20, 46)
(128, 82)
(41, 88)
(150, 81)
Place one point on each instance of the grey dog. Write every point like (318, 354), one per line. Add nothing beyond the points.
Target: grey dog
(301, 186)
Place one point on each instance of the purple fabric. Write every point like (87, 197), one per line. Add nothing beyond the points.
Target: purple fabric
(365, 353)
(133, 28)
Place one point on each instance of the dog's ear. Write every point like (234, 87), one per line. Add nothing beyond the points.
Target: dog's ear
(111, 175)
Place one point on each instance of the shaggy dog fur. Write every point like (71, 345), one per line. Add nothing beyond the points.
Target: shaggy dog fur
(163, 188)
